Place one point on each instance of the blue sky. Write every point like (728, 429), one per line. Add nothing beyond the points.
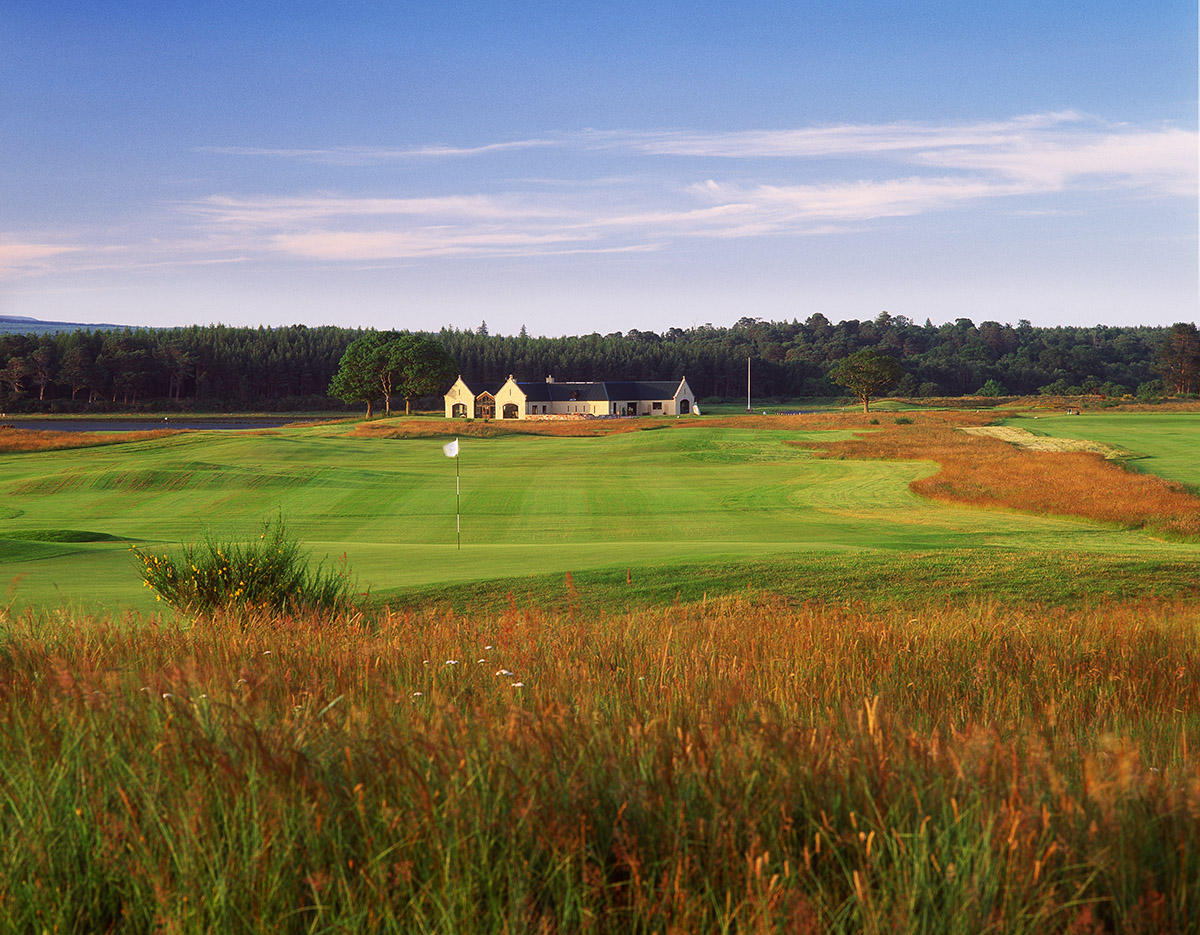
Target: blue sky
(597, 167)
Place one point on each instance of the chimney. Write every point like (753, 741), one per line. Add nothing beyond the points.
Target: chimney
(549, 379)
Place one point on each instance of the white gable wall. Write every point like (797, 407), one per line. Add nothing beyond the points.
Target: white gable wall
(460, 394)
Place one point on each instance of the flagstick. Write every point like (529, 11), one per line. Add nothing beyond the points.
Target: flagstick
(457, 508)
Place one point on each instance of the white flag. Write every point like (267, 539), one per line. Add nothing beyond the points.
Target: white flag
(451, 449)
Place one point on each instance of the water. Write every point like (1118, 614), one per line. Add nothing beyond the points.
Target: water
(146, 425)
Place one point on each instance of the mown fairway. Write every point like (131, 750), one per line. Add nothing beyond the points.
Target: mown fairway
(646, 501)
(1167, 444)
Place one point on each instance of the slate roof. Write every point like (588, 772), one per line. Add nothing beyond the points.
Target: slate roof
(563, 392)
(601, 391)
(642, 389)
(597, 391)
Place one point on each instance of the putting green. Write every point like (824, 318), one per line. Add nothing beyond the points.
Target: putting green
(530, 505)
(1166, 444)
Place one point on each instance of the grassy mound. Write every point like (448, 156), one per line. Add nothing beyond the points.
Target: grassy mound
(61, 535)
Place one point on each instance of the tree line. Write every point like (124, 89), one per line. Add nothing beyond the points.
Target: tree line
(218, 367)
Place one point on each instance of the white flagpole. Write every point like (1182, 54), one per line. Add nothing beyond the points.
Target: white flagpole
(450, 450)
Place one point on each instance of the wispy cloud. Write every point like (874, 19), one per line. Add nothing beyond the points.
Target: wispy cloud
(861, 201)
(273, 210)
(370, 155)
(1051, 148)
(27, 257)
(835, 140)
(678, 185)
(1164, 160)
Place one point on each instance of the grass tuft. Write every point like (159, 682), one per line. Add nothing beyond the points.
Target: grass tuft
(267, 573)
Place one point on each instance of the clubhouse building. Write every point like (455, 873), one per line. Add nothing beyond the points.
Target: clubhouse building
(515, 400)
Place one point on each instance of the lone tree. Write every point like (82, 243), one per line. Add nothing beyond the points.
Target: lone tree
(387, 363)
(866, 374)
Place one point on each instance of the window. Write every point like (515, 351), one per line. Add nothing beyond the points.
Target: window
(658, 406)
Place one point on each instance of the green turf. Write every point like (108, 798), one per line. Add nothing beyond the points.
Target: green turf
(1167, 443)
(662, 505)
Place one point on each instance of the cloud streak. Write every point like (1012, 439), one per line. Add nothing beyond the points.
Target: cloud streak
(1050, 148)
(17, 257)
(685, 185)
(372, 155)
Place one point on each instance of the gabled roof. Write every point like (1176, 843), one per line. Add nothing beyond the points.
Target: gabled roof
(599, 391)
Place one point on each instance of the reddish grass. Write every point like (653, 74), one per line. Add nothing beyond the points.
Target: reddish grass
(987, 472)
(20, 440)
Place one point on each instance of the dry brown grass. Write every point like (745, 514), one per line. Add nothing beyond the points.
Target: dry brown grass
(428, 428)
(726, 765)
(14, 440)
(587, 428)
(984, 471)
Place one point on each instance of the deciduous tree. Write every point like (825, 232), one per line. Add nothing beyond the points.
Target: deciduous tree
(356, 380)
(383, 364)
(866, 374)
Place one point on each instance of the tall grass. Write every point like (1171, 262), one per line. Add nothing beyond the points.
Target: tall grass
(13, 440)
(718, 766)
(268, 573)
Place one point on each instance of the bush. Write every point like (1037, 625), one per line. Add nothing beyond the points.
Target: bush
(904, 420)
(267, 573)
(991, 388)
(1150, 390)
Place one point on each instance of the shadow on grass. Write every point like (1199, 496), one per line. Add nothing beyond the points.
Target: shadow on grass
(875, 579)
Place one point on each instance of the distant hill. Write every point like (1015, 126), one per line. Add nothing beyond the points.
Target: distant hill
(12, 324)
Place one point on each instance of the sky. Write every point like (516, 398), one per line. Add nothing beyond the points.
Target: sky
(595, 167)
